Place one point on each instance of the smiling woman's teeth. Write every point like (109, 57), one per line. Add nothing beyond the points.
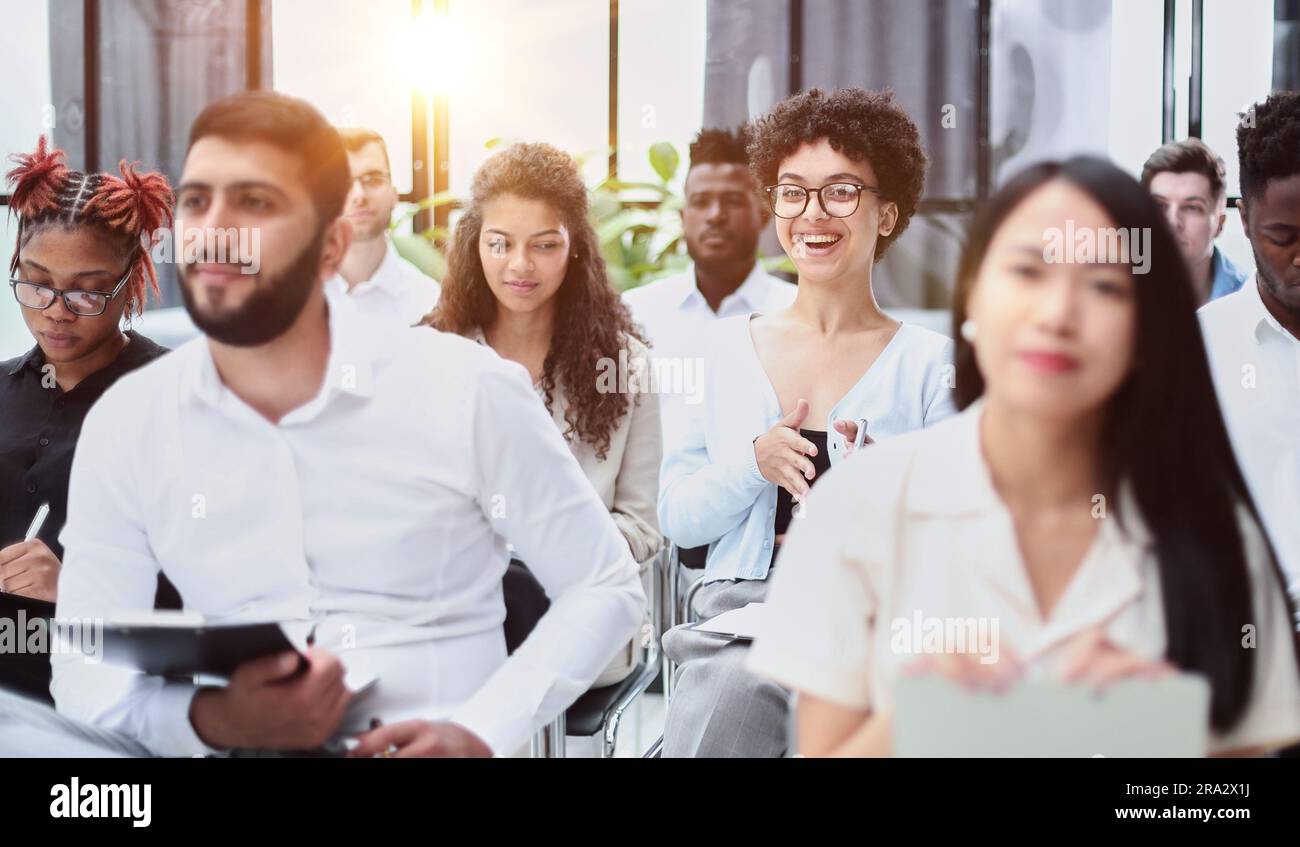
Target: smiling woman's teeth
(819, 239)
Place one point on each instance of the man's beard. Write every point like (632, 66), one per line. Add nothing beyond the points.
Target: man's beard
(373, 230)
(1288, 297)
(741, 250)
(269, 310)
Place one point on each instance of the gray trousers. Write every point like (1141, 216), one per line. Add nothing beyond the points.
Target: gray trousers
(31, 729)
(718, 708)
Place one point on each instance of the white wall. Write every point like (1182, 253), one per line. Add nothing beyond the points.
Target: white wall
(27, 112)
(350, 60)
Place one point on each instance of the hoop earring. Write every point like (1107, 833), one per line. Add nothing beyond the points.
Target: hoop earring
(968, 331)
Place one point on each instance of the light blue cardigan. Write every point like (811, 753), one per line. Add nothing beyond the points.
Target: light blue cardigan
(710, 490)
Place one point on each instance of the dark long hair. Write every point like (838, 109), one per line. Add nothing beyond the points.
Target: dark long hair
(1164, 435)
(591, 321)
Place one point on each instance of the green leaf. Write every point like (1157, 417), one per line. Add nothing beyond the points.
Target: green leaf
(781, 263)
(620, 185)
(664, 159)
(420, 252)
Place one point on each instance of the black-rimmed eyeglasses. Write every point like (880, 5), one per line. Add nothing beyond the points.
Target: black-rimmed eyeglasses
(86, 304)
(839, 199)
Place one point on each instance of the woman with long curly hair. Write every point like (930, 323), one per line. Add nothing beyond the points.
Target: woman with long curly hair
(525, 277)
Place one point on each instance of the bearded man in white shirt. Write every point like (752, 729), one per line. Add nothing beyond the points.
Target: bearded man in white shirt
(305, 463)
(373, 275)
(1253, 336)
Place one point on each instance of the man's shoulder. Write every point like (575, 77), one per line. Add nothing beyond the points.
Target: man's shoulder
(653, 293)
(1229, 312)
(444, 356)
(143, 393)
(162, 368)
(780, 293)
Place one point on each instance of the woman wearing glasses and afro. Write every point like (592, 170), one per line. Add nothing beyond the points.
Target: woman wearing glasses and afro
(81, 263)
(788, 395)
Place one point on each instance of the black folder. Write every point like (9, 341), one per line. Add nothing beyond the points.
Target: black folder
(184, 649)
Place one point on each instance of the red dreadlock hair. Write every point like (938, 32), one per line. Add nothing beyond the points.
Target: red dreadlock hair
(131, 209)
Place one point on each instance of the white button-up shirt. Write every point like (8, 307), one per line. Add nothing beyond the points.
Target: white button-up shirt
(379, 511)
(678, 322)
(398, 290)
(912, 530)
(1256, 368)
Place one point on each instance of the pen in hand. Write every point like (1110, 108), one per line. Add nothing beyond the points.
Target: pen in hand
(32, 531)
(37, 522)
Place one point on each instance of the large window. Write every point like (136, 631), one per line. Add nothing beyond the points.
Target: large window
(660, 81)
(352, 61)
(25, 102)
(529, 72)
(1238, 65)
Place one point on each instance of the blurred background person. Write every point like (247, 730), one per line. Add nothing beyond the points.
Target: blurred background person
(1186, 178)
(722, 219)
(373, 275)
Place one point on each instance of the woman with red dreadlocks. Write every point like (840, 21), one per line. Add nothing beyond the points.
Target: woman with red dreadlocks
(81, 264)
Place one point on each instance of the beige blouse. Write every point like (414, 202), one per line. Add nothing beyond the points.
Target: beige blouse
(627, 479)
(913, 528)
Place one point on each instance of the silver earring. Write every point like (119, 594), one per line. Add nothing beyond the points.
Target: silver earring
(968, 330)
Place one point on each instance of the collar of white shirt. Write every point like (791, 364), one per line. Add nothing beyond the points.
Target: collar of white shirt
(352, 358)
(1262, 320)
(950, 478)
(386, 278)
(752, 293)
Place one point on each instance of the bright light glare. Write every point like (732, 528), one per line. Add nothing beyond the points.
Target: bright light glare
(435, 52)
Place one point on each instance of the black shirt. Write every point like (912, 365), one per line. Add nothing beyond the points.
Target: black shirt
(39, 425)
(821, 464)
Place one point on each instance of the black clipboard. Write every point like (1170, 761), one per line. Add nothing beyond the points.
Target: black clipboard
(187, 650)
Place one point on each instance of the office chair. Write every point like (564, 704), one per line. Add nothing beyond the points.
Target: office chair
(600, 710)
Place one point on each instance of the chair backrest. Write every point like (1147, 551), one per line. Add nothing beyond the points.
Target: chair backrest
(525, 601)
(693, 557)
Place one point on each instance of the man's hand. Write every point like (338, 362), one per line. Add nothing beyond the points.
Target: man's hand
(269, 705)
(782, 453)
(30, 569)
(415, 739)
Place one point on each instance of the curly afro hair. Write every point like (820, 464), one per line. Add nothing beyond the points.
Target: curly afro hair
(1268, 147)
(863, 125)
(720, 147)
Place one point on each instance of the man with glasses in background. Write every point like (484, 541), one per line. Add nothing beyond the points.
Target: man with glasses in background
(373, 276)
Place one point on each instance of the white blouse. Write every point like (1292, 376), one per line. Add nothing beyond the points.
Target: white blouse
(913, 528)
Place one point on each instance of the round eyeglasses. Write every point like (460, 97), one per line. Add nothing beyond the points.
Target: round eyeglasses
(86, 304)
(839, 199)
